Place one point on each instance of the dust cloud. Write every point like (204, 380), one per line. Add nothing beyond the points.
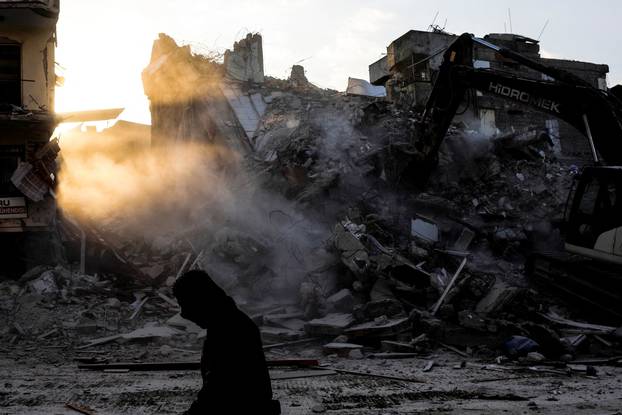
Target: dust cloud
(254, 241)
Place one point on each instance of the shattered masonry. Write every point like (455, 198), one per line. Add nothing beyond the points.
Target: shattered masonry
(331, 248)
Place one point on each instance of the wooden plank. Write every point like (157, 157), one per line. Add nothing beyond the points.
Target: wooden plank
(449, 287)
(183, 266)
(193, 365)
(603, 341)
(139, 307)
(47, 334)
(454, 349)
(80, 408)
(301, 374)
(286, 344)
(168, 300)
(196, 260)
(103, 340)
(564, 322)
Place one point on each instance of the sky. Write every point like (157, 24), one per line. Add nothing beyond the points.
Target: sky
(104, 45)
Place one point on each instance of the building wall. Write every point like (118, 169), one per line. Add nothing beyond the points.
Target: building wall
(404, 86)
(379, 72)
(39, 79)
(32, 25)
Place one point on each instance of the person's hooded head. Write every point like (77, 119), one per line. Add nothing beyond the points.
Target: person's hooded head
(201, 300)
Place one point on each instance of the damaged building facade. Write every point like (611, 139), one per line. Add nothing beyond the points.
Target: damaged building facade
(412, 61)
(27, 120)
(196, 98)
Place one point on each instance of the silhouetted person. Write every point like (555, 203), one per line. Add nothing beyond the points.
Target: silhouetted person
(233, 365)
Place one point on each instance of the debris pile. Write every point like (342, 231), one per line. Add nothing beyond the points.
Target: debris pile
(327, 235)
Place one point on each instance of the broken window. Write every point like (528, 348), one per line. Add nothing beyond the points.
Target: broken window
(10, 73)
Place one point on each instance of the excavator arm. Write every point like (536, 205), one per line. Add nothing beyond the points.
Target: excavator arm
(595, 113)
(590, 269)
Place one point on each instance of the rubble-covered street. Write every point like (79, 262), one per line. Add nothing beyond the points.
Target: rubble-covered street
(428, 241)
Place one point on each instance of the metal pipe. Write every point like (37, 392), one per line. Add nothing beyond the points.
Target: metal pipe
(82, 251)
(588, 131)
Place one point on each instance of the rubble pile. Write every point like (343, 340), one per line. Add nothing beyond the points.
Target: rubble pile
(329, 237)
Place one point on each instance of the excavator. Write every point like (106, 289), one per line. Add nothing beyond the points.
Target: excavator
(589, 268)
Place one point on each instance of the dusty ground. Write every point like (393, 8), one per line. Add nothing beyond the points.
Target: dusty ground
(41, 378)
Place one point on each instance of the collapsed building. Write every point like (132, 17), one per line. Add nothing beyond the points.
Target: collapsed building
(27, 120)
(309, 216)
(345, 161)
(409, 68)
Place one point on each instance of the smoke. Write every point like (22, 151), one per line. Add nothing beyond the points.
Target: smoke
(254, 242)
(109, 181)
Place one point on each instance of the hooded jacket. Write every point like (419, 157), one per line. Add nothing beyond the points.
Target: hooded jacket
(233, 366)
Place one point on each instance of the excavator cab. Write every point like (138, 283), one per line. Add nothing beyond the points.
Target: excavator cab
(594, 214)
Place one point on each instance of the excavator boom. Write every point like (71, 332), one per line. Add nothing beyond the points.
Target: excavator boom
(590, 268)
(595, 113)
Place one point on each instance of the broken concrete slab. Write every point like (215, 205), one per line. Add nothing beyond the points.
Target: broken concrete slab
(297, 77)
(342, 301)
(353, 252)
(45, 284)
(248, 108)
(389, 346)
(499, 296)
(294, 324)
(388, 327)
(275, 334)
(340, 349)
(381, 290)
(470, 320)
(149, 332)
(363, 87)
(33, 273)
(373, 309)
(331, 325)
(154, 271)
(245, 62)
(464, 240)
(425, 230)
(179, 322)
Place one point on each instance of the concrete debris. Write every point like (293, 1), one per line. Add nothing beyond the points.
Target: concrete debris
(245, 62)
(330, 325)
(277, 335)
(341, 301)
(340, 349)
(326, 231)
(363, 87)
(380, 327)
(388, 346)
(151, 332)
(45, 284)
(464, 241)
(425, 230)
(297, 78)
(499, 296)
(179, 322)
